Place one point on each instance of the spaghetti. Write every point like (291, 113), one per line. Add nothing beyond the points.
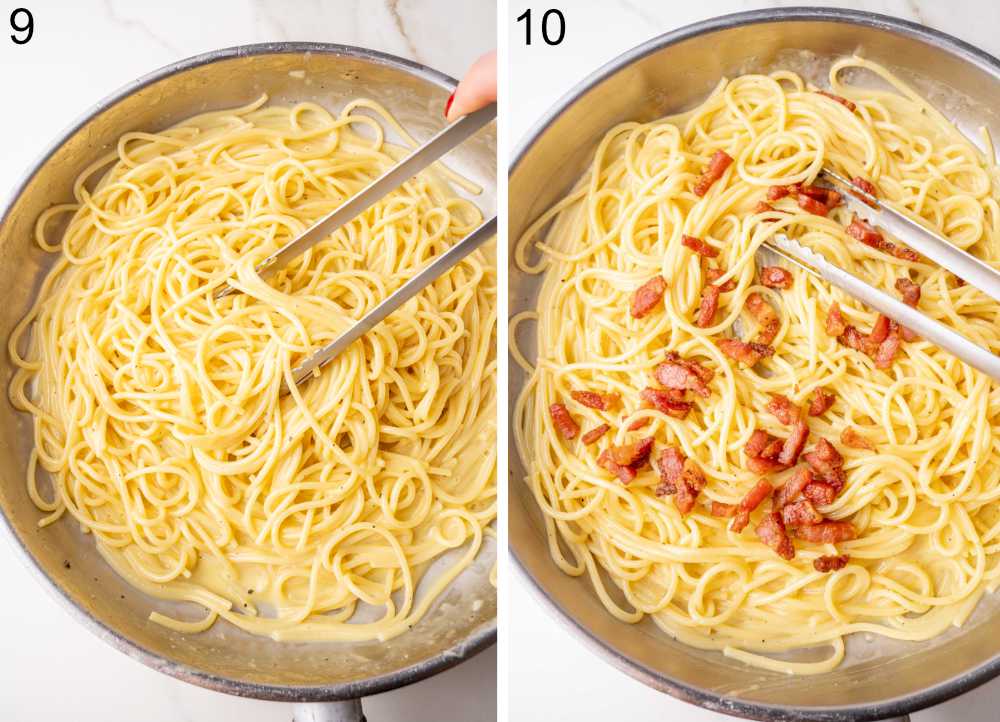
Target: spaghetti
(158, 408)
(909, 526)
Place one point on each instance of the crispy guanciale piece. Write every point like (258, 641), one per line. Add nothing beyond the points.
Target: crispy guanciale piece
(908, 291)
(853, 338)
(765, 207)
(717, 165)
(783, 409)
(683, 376)
(850, 437)
(747, 353)
(757, 442)
(831, 563)
(720, 509)
(714, 274)
(771, 531)
(886, 351)
(828, 532)
(827, 196)
(691, 483)
(864, 185)
(670, 467)
(821, 401)
(839, 99)
(862, 231)
(762, 465)
(760, 491)
(880, 330)
(639, 423)
(776, 193)
(799, 480)
(702, 372)
(709, 305)
(835, 323)
(625, 474)
(811, 205)
(699, 246)
(800, 513)
(594, 400)
(563, 421)
(773, 450)
(764, 315)
(664, 401)
(762, 451)
(820, 493)
(594, 434)
(648, 296)
(776, 277)
(794, 443)
(827, 463)
(635, 454)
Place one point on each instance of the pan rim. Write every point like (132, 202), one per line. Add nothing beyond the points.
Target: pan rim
(478, 640)
(893, 707)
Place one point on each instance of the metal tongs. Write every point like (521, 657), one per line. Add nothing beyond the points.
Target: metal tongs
(921, 239)
(427, 154)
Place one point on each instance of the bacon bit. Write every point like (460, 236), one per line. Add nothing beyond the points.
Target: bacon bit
(818, 193)
(635, 455)
(683, 375)
(776, 277)
(887, 349)
(714, 274)
(709, 305)
(783, 409)
(664, 401)
(867, 187)
(757, 442)
(811, 205)
(880, 330)
(699, 246)
(594, 400)
(691, 483)
(794, 443)
(720, 509)
(833, 199)
(761, 490)
(563, 421)
(625, 474)
(828, 532)
(648, 296)
(835, 324)
(760, 465)
(776, 193)
(910, 293)
(862, 231)
(639, 423)
(853, 338)
(799, 480)
(908, 290)
(594, 434)
(670, 468)
(839, 99)
(702, 372)
(820, 493)
(771, 531)
(772, 450)
(800, 513)
(763, 207)
(850, 437)
(717, 165)
(748, 353)
(831, 563)
(821, 401)
(765, 316)
(827, 462)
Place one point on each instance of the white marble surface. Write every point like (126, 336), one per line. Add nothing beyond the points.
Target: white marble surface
(51, 668)
(553, 677)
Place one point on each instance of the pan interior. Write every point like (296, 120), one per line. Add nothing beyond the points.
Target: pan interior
(666, 77)
(225, 658)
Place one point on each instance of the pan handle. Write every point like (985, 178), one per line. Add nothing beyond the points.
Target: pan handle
(348, 710)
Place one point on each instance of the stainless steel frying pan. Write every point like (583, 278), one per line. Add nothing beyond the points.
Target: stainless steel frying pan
(225, 658)
(671, 73)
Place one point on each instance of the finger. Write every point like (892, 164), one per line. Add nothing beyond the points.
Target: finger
(477, 89)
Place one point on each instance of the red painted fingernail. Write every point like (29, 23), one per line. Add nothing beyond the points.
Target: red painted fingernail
(447, 106)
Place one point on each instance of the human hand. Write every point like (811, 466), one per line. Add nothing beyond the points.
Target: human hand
(477, 89)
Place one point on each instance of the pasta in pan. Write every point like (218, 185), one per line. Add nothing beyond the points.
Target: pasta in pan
(158, 408)
(741, 452)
